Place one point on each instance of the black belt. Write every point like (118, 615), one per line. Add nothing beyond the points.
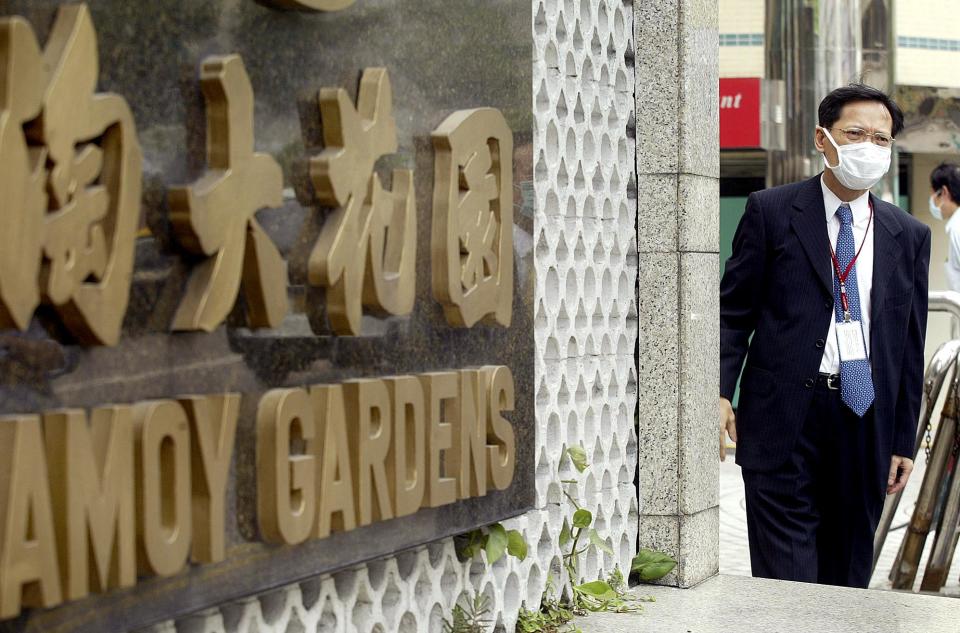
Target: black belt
(832, 381)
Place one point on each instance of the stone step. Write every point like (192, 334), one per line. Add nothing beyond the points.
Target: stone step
(740, 604)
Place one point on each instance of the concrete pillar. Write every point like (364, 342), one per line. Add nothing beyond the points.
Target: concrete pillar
(678, 167)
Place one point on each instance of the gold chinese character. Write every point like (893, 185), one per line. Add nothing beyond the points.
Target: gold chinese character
(367, 250)
(69, 181)
(309, 5)
(214, 216)
(472, 233)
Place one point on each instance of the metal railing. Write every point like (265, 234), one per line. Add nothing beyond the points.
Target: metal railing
(938, 503)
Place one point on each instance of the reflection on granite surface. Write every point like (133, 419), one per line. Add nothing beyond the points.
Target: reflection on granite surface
(442, 56)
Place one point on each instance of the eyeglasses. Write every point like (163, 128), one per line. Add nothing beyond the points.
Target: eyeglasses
(856, 135)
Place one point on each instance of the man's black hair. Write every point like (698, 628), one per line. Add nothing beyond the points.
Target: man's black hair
(947, 174)
(832, 105)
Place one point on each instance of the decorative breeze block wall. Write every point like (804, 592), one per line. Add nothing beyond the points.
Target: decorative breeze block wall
(586, 377)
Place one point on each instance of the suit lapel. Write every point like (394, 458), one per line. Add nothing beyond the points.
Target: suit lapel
(886, 252)
(809, 223)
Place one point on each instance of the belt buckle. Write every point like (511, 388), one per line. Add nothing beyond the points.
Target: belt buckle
(833, 382)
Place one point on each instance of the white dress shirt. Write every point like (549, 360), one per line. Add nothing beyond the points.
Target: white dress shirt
(952, 265)
(830, 362)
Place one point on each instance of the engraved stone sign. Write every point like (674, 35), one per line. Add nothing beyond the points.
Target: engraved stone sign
(265, 294)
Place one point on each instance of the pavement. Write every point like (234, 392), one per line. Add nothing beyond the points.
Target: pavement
(724, 604)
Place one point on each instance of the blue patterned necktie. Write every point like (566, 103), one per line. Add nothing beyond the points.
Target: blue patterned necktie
(856, 383)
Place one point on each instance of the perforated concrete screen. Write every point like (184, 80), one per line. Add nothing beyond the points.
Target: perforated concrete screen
(585, 329)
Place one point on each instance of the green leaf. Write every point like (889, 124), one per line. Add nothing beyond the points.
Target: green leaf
(652, 565)
(582, 518)
(579, 457)
(599, 543)
(516, 546)
(597, 589)
(471, 544)
(496, 543)
(565, 535)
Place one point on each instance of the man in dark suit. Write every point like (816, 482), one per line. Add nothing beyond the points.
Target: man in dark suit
(825, 295)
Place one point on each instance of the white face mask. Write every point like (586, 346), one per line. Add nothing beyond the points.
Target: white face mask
(934, 209)
(859, 165)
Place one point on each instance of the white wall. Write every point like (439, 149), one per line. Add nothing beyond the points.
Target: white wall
(742, 17)
(928, 19)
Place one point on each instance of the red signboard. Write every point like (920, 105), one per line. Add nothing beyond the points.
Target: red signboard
(739, 112)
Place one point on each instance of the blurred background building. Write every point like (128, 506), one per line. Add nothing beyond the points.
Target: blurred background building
(778, 58)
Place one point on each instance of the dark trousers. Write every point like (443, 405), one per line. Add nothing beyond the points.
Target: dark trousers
(813, 518)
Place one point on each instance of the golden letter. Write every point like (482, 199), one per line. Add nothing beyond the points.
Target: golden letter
(368, 403)
(367, 250)
(23, 204)
(71, 187)
(286, 483)
(409, 433)
(333, 448)
(213, 424)
(472, 233)
(163, 471)
(310, 5)
(501, 449)
(91, 472)
(28, 546)
(441, 392)
(468, 458)
(214, 216)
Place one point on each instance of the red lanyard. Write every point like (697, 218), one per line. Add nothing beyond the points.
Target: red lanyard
(842, 276)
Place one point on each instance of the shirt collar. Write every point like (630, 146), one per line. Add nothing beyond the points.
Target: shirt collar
(860, 207)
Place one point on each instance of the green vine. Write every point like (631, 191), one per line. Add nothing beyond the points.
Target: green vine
(553, 616)
(495, 540)
(598, 595)
(471, 618)
(556, 611)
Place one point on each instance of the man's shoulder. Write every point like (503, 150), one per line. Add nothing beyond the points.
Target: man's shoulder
(781, 193)
(774, 203)
(913, 226)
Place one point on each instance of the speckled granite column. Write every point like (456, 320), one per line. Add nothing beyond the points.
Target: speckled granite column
(678, 166)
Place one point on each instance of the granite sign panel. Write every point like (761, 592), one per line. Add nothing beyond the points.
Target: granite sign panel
(265, 294)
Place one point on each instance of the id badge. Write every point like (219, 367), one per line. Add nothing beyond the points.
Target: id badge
(850, 341)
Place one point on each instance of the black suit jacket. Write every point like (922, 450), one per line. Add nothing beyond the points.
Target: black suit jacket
(778, 288)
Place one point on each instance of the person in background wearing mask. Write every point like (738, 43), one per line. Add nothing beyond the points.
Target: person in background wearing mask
(825, 296)
(945, 184)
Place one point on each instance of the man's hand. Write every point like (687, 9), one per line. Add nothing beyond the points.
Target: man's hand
(900, 469)
(728, 425)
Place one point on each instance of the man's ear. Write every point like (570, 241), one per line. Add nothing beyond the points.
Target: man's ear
(818, 139)
(945, 194)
